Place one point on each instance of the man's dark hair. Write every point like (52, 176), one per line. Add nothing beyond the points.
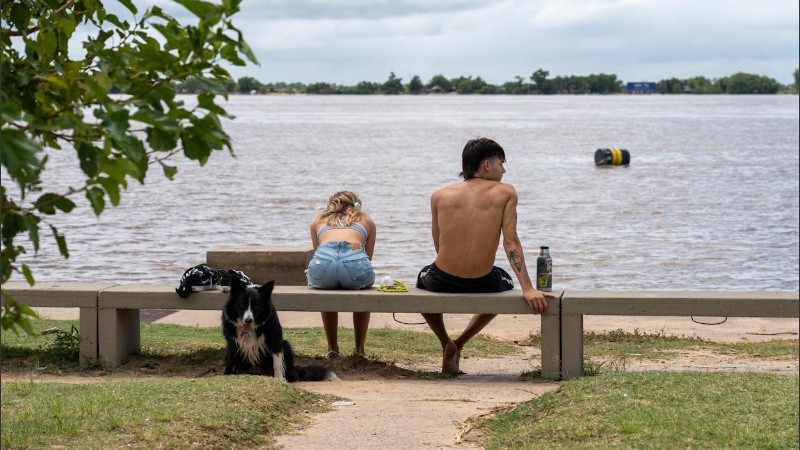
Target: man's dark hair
(475, 152)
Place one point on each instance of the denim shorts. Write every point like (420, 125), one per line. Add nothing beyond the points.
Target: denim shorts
(336, 265)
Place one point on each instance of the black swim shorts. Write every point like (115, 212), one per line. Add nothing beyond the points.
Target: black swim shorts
(432, 278)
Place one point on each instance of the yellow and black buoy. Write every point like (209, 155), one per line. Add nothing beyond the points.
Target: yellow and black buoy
(612, 157)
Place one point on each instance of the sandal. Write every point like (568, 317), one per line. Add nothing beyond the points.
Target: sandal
(361, 356)
(332, 354)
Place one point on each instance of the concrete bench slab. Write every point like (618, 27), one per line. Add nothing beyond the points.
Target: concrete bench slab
(66, 295)
(284, 265)
(576, 304)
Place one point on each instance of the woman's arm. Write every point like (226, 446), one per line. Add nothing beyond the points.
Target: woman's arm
(314, 238)
(373, 231)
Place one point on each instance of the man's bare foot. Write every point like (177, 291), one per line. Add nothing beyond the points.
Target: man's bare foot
(458, 355)
(450, 359)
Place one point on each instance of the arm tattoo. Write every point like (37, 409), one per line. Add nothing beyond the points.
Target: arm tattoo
(515, 259)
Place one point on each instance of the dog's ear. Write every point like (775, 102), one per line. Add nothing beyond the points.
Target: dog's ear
(237, 286)
(266, 288)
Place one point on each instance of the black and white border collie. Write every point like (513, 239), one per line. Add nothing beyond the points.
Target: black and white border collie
(255, 337)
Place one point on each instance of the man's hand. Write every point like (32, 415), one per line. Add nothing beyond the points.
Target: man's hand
(537, 300)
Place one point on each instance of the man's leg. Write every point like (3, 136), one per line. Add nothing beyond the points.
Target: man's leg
(475, 325)
(450, 351)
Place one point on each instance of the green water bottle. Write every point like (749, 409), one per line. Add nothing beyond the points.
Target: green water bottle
(544, 270)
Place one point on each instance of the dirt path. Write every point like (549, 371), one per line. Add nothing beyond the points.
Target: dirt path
(414, 414)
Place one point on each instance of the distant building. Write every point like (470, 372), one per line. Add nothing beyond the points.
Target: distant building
(641, 87)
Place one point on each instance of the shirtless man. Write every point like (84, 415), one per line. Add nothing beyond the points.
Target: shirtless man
(467, 220)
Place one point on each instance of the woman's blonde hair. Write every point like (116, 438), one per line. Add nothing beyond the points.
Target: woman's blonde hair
(344, 208)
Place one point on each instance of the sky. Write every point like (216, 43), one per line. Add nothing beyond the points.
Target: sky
(348, 41)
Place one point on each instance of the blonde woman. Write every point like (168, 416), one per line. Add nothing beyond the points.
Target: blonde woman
(344, 239)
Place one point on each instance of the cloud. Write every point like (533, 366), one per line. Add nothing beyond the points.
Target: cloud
(347, 41)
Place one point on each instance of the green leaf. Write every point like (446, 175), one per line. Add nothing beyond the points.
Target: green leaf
(194, 146)
(20, 15)
(90, 157)
(48, 202)
(155, 118)
(32, 225)
(95, 197)
(129, 4)
(111, 187)
(26, 272)
(169, 171)
(202, 10)
(161, 140)
(61, 241)
(119, 169)
(19, 156)
(16, 315)
(206, 101)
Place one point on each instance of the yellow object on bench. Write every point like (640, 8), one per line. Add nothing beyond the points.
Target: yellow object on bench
(394, 286)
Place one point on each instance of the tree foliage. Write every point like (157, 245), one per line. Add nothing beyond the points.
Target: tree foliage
(55, 101)
(415, 86)
(440, 83)
(393, 85)
(247, 85)
(746, 83)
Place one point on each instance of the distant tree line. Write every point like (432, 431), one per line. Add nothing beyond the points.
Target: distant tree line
(538, 83)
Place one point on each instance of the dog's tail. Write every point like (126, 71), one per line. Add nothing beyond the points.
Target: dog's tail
(315, 372)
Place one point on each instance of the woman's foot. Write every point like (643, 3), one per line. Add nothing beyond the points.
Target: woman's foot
(332, 354)
(361, 356)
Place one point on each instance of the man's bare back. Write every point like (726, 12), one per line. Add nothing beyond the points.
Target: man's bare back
(468, 218)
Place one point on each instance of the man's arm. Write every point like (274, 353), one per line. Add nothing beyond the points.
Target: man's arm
(537, 300)
(435, 222)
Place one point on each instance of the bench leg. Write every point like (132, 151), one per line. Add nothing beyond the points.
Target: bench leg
(87, 349)
(550, 347)
(571, 345)
(119, 334)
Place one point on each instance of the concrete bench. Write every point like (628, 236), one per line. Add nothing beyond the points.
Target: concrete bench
(119, 323)
(110, 324)
(576, 304)
(65, 295)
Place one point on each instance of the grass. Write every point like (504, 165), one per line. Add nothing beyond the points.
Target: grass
(203, 347)
(170, 396)
(244, 411)
(621, 344)
(655, 410)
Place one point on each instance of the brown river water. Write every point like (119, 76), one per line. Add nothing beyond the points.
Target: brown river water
(709, 200)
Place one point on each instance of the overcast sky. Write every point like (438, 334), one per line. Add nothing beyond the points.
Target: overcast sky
(347, 41)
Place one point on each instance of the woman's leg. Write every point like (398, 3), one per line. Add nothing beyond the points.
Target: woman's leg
(360, 326)
(330, 322)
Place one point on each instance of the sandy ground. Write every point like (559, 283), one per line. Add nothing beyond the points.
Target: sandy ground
(435, 413)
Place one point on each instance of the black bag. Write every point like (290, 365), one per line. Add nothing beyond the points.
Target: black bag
(197, 278)
(228, 275)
